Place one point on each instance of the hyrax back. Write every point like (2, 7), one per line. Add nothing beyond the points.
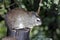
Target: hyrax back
(19, 18)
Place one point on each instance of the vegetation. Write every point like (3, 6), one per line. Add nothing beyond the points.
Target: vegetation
(49, 13)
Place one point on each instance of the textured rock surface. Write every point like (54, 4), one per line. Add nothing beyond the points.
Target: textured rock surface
(22, 34)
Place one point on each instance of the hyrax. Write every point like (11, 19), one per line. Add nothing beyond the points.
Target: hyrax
(18, 18)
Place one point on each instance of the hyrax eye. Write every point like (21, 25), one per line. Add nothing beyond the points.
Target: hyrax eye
(38, 19)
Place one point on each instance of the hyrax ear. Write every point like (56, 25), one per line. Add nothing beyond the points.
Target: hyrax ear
(34, 13)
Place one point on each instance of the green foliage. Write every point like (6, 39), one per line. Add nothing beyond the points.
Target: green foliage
(3, 29)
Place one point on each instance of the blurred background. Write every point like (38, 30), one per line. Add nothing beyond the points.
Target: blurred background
(49, 13)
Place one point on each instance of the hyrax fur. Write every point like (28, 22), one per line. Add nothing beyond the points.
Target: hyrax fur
(19, 18)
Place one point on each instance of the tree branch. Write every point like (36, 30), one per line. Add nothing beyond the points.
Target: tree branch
(39, 7)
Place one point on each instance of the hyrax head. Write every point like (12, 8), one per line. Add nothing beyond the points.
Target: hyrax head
(18, 19)
(35, 20)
